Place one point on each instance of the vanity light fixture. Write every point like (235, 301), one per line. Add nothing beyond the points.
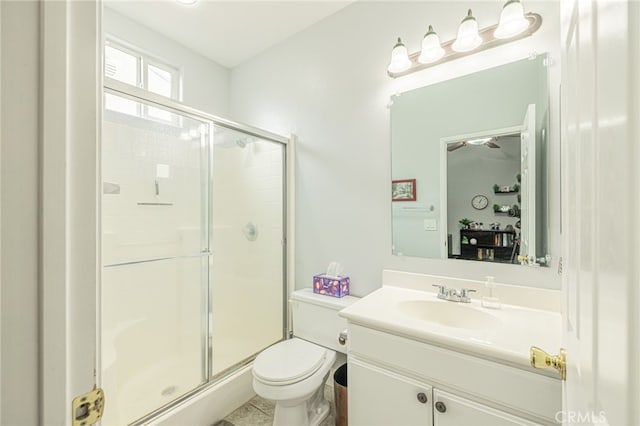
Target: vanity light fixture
(187, 2)
(512, 20)
(468, 38)
(513, 25)
(399, 58)
(431, 49)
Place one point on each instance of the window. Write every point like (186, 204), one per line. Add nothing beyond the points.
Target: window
(141, 70)
(121, 65)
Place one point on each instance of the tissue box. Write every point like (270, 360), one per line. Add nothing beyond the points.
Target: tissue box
(331, 286)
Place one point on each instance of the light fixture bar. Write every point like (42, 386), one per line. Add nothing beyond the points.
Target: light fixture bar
(488, 42)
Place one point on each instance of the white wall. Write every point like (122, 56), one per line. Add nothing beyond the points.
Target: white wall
(328, 85)
(19, 200)
(205, 83)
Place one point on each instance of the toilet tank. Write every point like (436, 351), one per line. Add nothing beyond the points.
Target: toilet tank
(315, 317)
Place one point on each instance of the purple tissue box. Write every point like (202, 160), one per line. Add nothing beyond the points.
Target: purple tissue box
(329, 286)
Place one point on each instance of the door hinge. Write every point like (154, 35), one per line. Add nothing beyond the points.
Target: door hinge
(87, 409)
(540, 359)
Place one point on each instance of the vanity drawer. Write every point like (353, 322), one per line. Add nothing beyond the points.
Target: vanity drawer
(513, 388)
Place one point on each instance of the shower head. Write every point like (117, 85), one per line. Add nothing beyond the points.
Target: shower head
(243, 142)
(232, 139)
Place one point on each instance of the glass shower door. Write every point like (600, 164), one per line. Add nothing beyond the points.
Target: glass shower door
(248, 245)
(156, 171)
(193, 252)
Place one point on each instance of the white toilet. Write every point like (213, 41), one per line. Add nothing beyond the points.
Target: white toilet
(293, 373)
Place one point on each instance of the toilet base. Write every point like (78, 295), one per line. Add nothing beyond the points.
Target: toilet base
(309, 412)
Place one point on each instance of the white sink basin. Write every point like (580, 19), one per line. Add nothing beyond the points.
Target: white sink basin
(503, 335)
(450, 314)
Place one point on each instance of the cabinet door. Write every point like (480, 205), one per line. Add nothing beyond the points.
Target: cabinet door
(379, 397)
(453, 410)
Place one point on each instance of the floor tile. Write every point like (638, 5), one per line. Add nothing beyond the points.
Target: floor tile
(328, 393)
(248, 415)
(259, 412)
(329, 421)
(263, 405)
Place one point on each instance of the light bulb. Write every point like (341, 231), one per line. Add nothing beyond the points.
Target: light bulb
(431, 49)
(512, 20)
(399, 58)
(468, 38)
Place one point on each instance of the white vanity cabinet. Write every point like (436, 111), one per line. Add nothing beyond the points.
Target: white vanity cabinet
(379, 397)
(400, 381)
(452, 410)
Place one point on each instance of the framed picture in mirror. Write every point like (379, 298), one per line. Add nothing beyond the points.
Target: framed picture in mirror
(403, 190)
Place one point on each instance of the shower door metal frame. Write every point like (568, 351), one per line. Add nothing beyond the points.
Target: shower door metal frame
(206, 305)
(141, 94)
(118, 88)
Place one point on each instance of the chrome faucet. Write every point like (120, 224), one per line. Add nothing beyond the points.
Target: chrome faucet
(453, 295)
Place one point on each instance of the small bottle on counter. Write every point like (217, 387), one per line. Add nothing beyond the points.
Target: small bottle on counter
(490, 301)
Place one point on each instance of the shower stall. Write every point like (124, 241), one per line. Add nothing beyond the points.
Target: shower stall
(193, 223)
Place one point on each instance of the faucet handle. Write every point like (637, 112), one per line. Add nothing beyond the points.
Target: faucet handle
(464, 293)
(441, 289)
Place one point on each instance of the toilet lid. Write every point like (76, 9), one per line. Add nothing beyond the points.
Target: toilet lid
(289, 361)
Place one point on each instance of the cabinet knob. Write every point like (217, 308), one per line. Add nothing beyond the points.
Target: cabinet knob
(441, 407)
(422, 397)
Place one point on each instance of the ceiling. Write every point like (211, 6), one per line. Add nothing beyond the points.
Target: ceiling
(227, 32)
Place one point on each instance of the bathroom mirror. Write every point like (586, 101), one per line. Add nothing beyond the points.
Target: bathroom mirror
(477, 149)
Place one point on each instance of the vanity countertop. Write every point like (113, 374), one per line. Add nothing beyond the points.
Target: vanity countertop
(503, 335)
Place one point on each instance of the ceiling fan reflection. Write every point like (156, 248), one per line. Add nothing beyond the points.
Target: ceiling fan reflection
(488, 142)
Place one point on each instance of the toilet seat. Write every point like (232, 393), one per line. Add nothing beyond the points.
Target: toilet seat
(288, 362)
